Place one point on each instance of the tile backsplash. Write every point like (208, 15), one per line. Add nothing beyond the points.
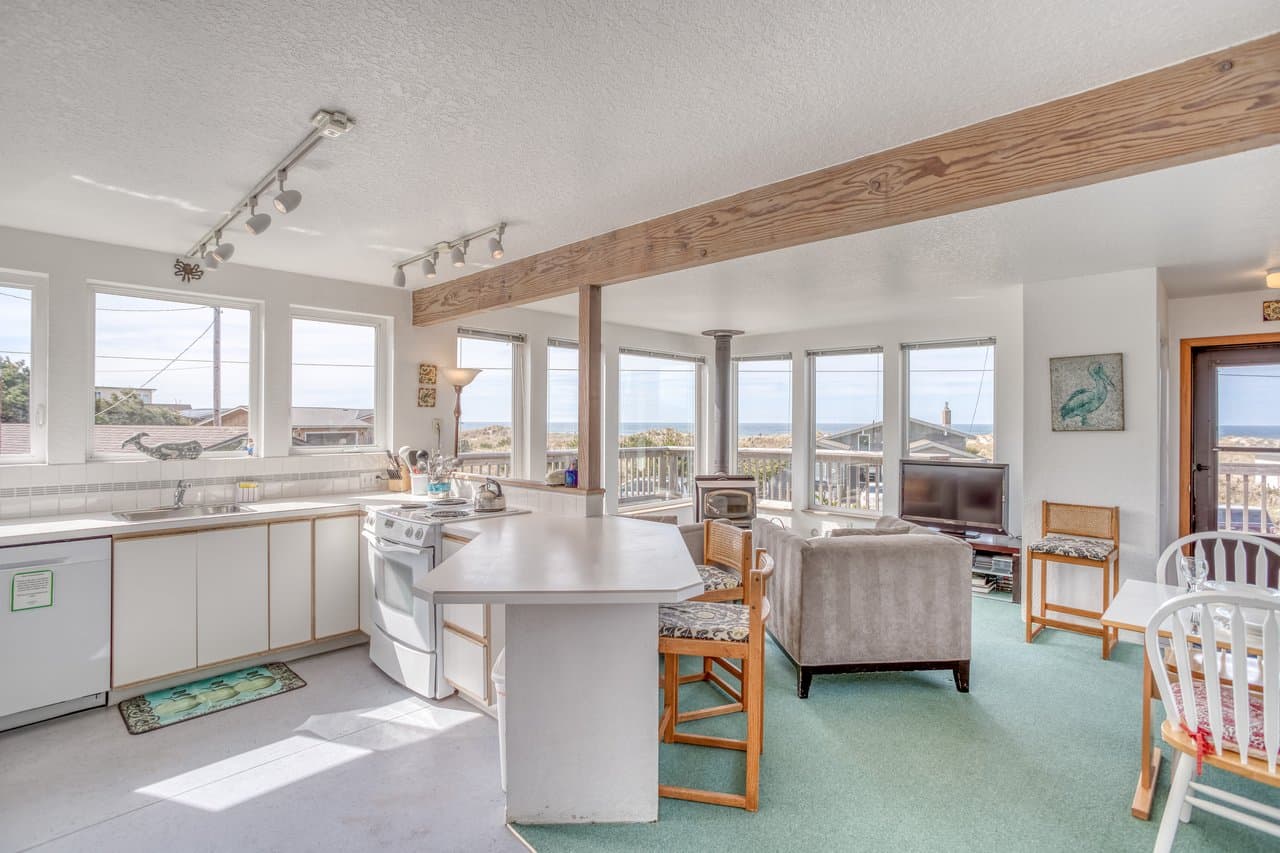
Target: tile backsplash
(39, 490)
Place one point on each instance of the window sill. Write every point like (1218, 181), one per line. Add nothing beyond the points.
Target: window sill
(646, 508)
(334, 451)
(844, 513)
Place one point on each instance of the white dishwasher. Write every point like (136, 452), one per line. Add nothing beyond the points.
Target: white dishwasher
(55, 629)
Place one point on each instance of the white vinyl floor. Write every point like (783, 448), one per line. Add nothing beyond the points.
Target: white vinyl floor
(350, 762)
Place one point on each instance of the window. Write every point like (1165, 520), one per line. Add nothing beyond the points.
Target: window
(337, 384)
(174, 369)
(562, 403)
(487, 433)
(657, 425)
(848, 429)
(951, 400)
(764, 425)
(21, 371)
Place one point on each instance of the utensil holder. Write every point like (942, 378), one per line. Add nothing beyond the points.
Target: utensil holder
(419, 484)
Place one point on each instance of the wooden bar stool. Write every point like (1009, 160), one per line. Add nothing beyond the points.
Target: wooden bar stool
(719, 630)
(1079, 536)
(726, 560)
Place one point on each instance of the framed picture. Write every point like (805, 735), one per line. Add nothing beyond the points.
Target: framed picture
(1086, 393)
(426, 374)
(427, 397)
(1271, 310)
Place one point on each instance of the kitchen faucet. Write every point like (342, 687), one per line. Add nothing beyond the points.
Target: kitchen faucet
(179, 492)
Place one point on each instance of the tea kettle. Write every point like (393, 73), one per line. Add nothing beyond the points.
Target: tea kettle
(489, 497)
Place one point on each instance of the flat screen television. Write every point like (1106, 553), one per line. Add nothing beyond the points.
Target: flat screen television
(958, 497)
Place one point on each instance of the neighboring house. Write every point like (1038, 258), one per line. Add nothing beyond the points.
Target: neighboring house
(106, 392)
(932, 438)
(312, 426)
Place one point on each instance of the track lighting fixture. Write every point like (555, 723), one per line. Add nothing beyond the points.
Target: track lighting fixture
(457, 249)
(286, 201)
(222, 252)
(325, 124)
(398, 280)
(257, 222)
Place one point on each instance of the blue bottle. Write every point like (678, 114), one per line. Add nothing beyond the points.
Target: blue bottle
(571, 475)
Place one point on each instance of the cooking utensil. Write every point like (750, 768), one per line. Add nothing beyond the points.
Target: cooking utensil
(489, 497)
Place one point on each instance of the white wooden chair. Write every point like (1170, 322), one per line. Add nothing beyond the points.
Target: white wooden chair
(1229, 724)
(1227, 552)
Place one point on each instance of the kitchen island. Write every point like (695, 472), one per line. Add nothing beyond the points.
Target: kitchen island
(581, 598)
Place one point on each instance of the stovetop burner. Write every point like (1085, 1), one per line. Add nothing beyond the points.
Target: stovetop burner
(449, 502)
(449, 513)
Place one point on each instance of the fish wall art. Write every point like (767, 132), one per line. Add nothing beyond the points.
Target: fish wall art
(1086, 392)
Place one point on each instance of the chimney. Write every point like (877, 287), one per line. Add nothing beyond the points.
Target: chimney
(720, 404)
(946, 415)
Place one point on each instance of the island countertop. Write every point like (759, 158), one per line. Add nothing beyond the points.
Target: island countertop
(543, 559)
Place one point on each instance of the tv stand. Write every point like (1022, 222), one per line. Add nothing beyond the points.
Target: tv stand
(991, 544)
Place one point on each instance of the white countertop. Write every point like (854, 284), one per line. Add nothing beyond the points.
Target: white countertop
(50, 528)
(544, 559)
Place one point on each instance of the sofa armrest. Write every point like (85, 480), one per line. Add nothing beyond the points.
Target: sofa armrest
(693, 540)
(785, 589)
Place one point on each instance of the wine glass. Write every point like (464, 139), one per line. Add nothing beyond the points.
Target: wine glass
(1194, 570)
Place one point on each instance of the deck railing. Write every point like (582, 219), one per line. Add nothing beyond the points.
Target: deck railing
(1249, 496)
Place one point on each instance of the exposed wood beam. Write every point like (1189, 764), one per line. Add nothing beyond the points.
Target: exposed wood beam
(1218, 104)
(590, 381)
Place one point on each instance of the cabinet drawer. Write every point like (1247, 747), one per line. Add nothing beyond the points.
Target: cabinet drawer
(466, 664)
(468, 617)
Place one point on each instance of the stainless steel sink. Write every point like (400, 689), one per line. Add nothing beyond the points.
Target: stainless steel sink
(163, 512)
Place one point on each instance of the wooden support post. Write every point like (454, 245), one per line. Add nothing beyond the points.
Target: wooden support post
(590, 380)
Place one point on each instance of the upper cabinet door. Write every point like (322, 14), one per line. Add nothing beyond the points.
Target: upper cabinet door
(232, 584)
(153, 607)
(290, 569)
(337, 575)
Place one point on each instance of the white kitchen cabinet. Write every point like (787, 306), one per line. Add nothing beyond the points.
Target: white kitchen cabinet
(231, 593)
(473, 636)
(337, 575)
(289, 567)
(153, 607)
(466, 665)
(367, 601)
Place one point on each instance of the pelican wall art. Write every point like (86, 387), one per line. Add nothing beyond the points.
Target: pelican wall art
(1086, 392)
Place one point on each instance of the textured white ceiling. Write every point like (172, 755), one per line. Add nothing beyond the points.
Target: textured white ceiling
(137, 122)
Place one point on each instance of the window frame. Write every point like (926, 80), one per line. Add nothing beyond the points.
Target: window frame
(37, 285)
(700, 449)
(907, 347)
(735, 387)
(518, 342)
(382, 365)
(256, 401)
(564, 344)
(811, 397)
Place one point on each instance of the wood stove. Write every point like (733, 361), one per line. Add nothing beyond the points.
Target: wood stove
(728, 497)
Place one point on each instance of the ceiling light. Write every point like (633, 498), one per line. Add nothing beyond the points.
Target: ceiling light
(459, 255)
(429, 264)
(1273, 278)
(495, 243)
(257, 222)
(210, 262)
(398, 280)
(222, 251)
(286, 201)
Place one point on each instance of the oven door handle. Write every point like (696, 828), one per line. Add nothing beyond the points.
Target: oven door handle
(387, 546)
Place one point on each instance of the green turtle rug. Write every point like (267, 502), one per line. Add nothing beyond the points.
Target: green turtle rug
(161, 708)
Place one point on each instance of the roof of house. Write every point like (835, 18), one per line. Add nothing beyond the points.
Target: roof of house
(880, 425)
(304, 417)
(107, 438)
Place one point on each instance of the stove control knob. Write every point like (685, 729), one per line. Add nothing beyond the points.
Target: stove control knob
(387, 522)
(421, 532)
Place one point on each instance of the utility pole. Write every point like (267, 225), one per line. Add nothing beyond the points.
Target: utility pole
(217, 367)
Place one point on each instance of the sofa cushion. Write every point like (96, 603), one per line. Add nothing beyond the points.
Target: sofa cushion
(714, 577)
(890, 524)
(705, 620)
(1073, 546)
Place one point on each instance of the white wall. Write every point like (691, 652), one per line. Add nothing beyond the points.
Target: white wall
(1117, 312)
(1202, 317)
(998, 316)
(438, 344)
(69, 265)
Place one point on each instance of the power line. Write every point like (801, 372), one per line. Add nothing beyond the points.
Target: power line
(134, 392)
(15, 296)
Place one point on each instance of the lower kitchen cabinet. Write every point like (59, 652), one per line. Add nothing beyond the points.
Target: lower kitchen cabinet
(337, 575)
(474, 634)
(153, 607)
(289, 558)
(231, 593)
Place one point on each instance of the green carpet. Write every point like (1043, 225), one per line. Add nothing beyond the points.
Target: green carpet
(1042, 755)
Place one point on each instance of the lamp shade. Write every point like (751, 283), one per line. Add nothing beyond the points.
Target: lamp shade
(460, 377)
(1273, 278)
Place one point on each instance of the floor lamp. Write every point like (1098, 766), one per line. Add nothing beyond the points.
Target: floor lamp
(459, 378)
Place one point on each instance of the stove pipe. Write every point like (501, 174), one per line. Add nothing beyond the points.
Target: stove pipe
(720, 403)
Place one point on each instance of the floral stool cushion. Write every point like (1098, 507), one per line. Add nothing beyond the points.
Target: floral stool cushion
(705, 620)
(1073, 546)
(714, 577)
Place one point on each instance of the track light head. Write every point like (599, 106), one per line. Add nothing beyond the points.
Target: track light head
(495, 248)
(459, 255)
(398, 279)
(210, 262)
(222, 251)
(257, 222)
(429, 265)
(286, 201)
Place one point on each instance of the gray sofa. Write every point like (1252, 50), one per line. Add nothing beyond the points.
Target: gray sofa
(893, 597)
